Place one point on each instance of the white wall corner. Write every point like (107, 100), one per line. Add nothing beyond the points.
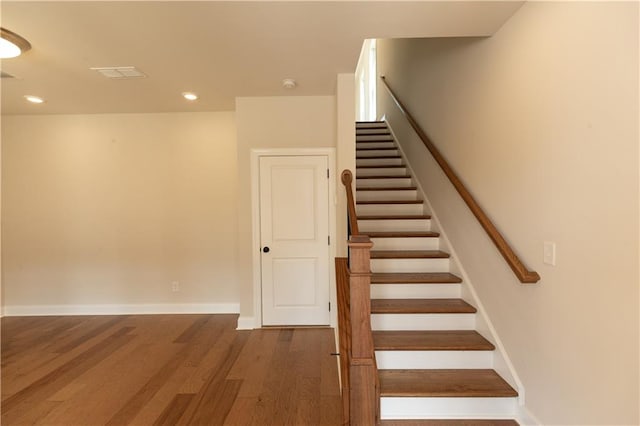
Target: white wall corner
(345, 151)
(247, 323)
(525, 418)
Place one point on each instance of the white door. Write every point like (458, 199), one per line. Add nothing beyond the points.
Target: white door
(294, 236)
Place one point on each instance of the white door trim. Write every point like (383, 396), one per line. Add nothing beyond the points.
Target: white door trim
(255, 225)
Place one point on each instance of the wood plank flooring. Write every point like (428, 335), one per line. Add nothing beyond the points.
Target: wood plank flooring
(165, 370)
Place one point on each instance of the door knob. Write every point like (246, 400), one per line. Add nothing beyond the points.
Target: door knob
(265, 249)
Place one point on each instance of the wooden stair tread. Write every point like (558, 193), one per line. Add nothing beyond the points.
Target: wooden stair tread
(381, 157)
(390, 202)
(444, 383)
(371, 140)
(414, 278)
(431, 340)
(390, 188)
(402, 234)
(385, 177)
(449, 422)
(383, 166)
(421, 306)
(394, 217)
(390, 148)
(409, 254)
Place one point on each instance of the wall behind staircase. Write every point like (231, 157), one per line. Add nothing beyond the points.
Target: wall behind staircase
(541, 123)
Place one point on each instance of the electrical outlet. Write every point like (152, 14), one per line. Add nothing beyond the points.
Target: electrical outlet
(175, 286)
(549, 254)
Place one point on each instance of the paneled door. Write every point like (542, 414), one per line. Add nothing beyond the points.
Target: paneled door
(294, 237)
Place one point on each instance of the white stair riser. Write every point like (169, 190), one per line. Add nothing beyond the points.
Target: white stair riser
(395, 225)
(382, 171)
(401, 360)
(409, 194)
(416, 291)
(378, 162)
(368, 124)
(443, 408)
(420, 243)
(374, 144)
(389, 209)
(376, 153)
(374, 131)
(367, 138)
(423, 321)
(383, 183)
(409, 265)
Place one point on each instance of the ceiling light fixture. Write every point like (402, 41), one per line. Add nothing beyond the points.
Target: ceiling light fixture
(190, 96)
(289, 83)
(11, 44)
(34, 99)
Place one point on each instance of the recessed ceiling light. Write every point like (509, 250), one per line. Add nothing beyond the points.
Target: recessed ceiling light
(11, 44)
(34, 99)
(190, 96)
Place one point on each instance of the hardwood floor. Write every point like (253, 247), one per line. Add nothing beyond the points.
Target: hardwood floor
(165, 370)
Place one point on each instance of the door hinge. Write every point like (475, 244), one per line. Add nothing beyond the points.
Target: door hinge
(329, 306)
(327, 173)
(328, 240)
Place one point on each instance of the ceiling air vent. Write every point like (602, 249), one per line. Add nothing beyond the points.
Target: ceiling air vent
(120, 72)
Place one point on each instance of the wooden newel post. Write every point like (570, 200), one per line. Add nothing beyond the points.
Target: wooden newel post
(364, 398)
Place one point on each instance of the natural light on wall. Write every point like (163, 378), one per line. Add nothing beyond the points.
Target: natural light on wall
(366, 82)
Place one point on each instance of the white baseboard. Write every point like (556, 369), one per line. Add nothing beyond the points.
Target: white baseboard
(526, 418)
(140, 309)
(247, 323)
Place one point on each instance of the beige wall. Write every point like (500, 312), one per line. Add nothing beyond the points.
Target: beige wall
(111, 209)
(346, 152)
(273, 122)
(541, 123)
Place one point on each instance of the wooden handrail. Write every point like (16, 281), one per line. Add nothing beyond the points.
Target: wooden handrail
(521, 271)
(347, 178)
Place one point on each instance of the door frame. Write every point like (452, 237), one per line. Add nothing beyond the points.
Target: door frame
(330, 153)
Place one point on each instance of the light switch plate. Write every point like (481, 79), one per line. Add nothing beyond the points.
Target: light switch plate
(549, 255)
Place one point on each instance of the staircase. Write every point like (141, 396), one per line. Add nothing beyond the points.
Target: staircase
(432, 363)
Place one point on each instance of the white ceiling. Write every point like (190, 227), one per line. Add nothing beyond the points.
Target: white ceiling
(221, 50)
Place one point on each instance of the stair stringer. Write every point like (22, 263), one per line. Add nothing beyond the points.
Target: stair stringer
(501, 361)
